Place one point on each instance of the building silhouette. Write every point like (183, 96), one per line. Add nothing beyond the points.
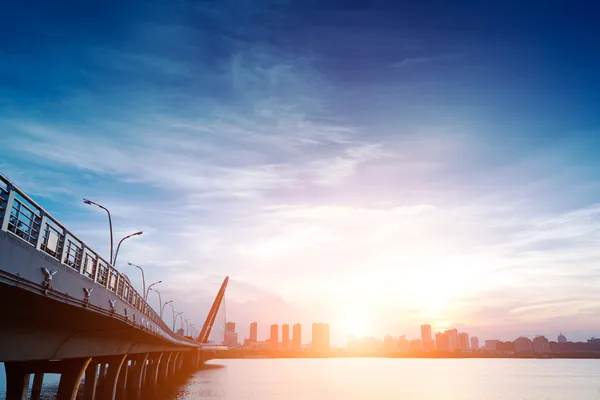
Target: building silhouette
(562, 338)
(426, 338)
(474, 343)
(442, 341)
(541, 345)
(390, 343)
(452, 339)
(416, 345)
(253, 332)
(491, 345)
(231, 338)
(297, 336)
(463, 341)
(274, 338)
(285, 337)
(523, 345)
(320, 337)
(403, 344)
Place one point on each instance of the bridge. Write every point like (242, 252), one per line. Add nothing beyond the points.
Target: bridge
(67, 311)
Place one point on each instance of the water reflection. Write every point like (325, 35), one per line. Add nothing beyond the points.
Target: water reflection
(382, 379)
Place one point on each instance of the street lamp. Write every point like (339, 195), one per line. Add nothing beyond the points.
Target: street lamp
(159, 301)
(143, 278)
(186, 324)
(189, 329)
(150, 287)
(175, 319)
(114, 261)
(162, 309)
(89, 202)
(173, 314)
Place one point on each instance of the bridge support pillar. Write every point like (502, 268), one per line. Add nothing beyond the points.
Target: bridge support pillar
(91, 381)
(110, 381)
(175, 363)
(17, 381)
(153, 368)
(122, 381)
(101, 374)
(163, 373)
(71, 377)
(36, 389)
(138, 366)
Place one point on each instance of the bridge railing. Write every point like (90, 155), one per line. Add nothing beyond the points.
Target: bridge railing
(25, 219)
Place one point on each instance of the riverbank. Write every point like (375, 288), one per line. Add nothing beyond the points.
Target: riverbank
(260, 354)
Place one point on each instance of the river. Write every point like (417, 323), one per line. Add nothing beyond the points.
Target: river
(381, 378)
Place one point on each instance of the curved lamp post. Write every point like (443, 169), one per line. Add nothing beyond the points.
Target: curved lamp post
(160, 306)
(114, 261)
(190, 329)
(175, 319)
(150, 287)
(143, 277)
(162, 309)
(89, 202)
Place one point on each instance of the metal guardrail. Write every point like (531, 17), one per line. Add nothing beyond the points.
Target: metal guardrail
(25, 219)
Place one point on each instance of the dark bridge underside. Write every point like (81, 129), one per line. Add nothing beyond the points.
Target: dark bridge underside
(35, 327)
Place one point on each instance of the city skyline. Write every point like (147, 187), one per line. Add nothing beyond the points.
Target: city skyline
(371, 165)
(449, 340)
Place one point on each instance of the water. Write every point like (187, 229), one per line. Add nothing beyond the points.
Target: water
(406, 379)
(381, 378)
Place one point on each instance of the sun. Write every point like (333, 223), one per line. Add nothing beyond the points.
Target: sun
(354, 327)
(354, 323)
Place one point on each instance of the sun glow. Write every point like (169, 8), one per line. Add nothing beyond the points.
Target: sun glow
(354, 323)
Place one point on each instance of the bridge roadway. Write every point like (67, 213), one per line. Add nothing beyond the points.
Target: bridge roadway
(66, 310)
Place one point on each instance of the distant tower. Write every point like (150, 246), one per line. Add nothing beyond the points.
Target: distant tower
(463, 341)
(452, 339)
(562, 338)
(297, 336)
(285, 336)
(254, 332)
(230, 335)
(426, 338)
(474, 343)
(320, 337)
(274, 339)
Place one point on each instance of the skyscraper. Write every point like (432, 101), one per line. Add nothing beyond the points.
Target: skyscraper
(296, 336)
(474, 343)
(274, 338)
(285, 337)
(442, 342)
(230, 335)
(320, 337)
(254, 332)
(463, 341)
(562, 338)
(452, 339)
(426, 338)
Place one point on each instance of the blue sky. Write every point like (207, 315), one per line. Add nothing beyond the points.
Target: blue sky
(368, 164)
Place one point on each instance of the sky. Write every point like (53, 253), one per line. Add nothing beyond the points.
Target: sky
(375, 165)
